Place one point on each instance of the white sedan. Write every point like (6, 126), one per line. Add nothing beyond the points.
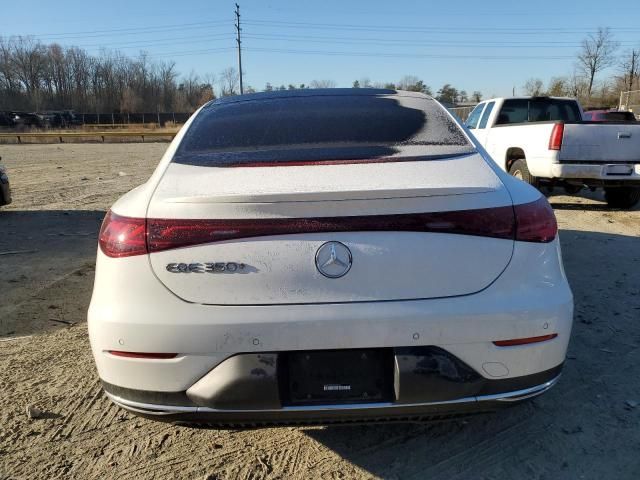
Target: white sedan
(319, 256)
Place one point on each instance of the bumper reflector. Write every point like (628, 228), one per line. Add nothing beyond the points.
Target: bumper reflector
(525, 341)
(154, 356)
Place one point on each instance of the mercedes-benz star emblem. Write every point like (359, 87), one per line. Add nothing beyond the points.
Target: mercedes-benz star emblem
(333, 259)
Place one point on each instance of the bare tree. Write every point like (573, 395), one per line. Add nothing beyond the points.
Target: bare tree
(577, 85)
(130, 102)
(413, 84)
(35, 76)
(168, 76)
(534, 87)
(29, 62)
(365, 82)
(476, 96)
(323, 84)
(558, 87)
(229, 82)
(597, 53)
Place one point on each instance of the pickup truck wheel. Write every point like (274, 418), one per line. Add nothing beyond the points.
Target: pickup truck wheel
(622, 197)
(520, 170)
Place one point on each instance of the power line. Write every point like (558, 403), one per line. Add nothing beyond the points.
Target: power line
(155, 43)
(185, 53)
(407, 55)
(133, 29)
(434, 29)
(398, 42)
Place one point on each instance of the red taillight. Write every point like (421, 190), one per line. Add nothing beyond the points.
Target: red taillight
(126, 236)
(535, 222)
(122, 236)
(164, 234)
(524, 341)
(555, 141)
(151, 356)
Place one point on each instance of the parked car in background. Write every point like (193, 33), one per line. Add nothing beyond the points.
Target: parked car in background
(544, 141)
(5, 187)
(29, 120)
(608, 116)
(7, 119)
(61, 119)
(327, 256)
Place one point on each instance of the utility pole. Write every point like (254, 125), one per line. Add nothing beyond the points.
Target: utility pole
(239, 46)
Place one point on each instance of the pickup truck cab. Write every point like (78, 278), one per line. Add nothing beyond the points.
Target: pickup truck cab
(545, 141)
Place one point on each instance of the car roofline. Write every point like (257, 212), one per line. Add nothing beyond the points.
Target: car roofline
(314, 92)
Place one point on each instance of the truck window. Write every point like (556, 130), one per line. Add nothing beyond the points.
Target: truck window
(485, 115)
(547, 109)
(522, 110)
(513, 110)
(474, 116)
(619, 117)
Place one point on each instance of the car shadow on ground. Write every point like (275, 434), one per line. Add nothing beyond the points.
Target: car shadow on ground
(574, 431)
(561, 201)
(38, 249)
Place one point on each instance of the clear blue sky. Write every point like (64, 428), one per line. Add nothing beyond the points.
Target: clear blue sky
(486, 46)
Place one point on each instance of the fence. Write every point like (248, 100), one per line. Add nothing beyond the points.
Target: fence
(71, 136)
(462, 112)
(64, 119)
(160, 119)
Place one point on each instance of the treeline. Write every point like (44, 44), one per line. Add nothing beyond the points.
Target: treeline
(599, 51)
(39, 77)
(447, 94)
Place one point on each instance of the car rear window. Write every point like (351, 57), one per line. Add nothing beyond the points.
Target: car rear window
(619, 117)
(320, 127)
(522, 110)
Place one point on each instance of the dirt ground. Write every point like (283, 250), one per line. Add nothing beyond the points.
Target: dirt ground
(587, 427)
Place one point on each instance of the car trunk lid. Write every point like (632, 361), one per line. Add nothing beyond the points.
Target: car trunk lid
(414, 229)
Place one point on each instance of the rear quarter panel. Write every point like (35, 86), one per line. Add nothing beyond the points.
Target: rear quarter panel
(531, 138)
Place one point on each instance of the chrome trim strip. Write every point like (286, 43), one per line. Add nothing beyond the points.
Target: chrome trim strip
(521, 394)
(151, 409)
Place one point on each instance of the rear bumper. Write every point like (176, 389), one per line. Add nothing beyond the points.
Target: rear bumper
(529, 299)
(490, 396)
(596, 173)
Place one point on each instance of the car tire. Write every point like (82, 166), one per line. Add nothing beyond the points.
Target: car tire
(622, 197)
(519, 169)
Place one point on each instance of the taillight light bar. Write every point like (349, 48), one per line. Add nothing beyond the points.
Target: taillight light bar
(124, 236)
(535, 222)
(524, 341)
(164, 234)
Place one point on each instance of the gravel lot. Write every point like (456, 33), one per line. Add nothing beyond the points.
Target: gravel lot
(586, 427)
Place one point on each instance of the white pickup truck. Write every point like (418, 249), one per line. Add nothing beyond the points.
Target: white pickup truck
(544, 141)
